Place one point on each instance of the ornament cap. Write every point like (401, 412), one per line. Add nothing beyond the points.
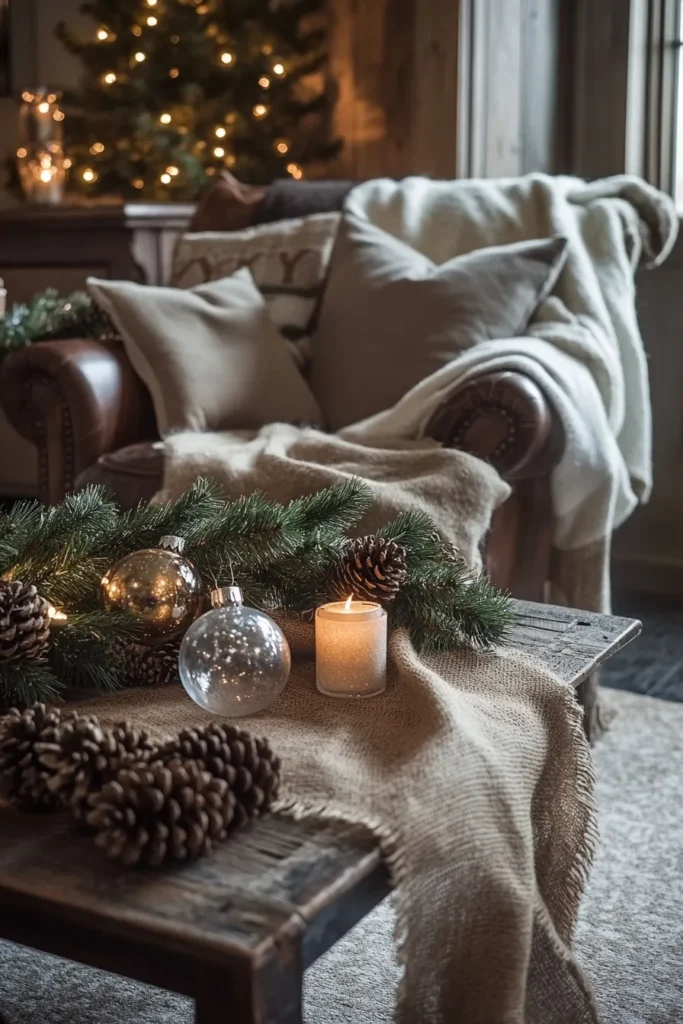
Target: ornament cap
(173, 543)
(224, 597)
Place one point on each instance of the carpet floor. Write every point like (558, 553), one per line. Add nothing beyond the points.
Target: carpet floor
(630, 938)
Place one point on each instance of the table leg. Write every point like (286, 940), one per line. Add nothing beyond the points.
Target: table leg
(269, 995)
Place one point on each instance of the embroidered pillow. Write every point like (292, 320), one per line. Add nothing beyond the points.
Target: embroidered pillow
(210, 356)
(287, 259)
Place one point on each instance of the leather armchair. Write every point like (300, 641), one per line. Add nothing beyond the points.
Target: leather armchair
(91, 418)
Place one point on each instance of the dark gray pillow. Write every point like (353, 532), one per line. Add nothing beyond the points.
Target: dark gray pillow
(390, 317)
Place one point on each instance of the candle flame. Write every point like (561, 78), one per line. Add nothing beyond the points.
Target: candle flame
(347, 606)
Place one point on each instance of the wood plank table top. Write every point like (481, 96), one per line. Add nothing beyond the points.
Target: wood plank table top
(235, 930)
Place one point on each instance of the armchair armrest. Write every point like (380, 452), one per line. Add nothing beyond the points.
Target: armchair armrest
(75, 400)
(505, 419)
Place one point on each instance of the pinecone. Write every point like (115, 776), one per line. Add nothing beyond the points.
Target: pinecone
(152, 666)
(370, 569)
(247, 764)
(23, 780)
(84, 756)
(24, 622)
(154, 812)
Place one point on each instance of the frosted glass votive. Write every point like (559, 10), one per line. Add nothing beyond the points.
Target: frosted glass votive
(351, 649)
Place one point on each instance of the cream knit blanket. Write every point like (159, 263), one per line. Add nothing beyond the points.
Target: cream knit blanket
(472, 769)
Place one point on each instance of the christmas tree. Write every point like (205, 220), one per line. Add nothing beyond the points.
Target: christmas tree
(175, 90)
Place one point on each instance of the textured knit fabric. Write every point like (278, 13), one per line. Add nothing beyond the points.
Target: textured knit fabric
(584, 349)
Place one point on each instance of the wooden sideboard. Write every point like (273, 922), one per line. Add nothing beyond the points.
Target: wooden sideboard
(59, 247)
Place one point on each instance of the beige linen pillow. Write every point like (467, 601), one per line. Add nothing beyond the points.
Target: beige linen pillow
(210, 356)
(288, 261)
(390, 317)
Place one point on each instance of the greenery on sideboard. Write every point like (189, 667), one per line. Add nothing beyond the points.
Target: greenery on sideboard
(50, 315)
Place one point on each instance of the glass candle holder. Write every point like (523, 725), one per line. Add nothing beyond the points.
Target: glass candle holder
(40, 156)
(351, 649)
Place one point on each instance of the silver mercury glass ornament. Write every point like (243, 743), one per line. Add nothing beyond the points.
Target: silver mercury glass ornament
(233, 660)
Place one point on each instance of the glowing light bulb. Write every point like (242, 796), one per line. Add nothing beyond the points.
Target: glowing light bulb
(58, 115)
(221, 132)
(282, 146)
(267, 49)
(102, 34)
(89, 175)
(278, 68)
(151, 3)
(219, 152)
(96, 147)
(138, 183)
(52, 98)
(152, 21)
(260, 110)
(264, 82)
(231, 117)
(165, 118)
(110, 78)
(175, 40)
(67, 163)
(203, 9)
(21, 153)
(46, 176)
(227, 57)
(44, 108)
(173, 73)
(140, 56)
(295, 171)
(136, 30)
(231, 159)
(166, 179)
(173, 171)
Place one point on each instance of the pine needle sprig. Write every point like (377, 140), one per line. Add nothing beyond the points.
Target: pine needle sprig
(23, 684)
(330, 512)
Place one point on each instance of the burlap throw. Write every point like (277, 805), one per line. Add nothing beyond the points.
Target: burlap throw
(472, 769)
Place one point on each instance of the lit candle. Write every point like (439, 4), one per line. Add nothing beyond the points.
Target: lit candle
(351, 649)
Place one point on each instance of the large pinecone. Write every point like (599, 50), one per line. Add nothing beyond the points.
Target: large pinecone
(247, 764)
(23, 779)
(155, 812)
(24, 622)
(152, 666)
(84, 756)
(370, 569)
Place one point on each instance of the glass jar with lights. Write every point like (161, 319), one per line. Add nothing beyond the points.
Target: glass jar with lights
(40, 156)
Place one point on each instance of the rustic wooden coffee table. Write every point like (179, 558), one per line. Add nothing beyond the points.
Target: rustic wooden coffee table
(237, 930)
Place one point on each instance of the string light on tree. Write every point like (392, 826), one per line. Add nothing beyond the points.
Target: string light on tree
(173, 171)
(232, 71)
(58, 115)
(295, 171)
(89, 175)
(166, 179)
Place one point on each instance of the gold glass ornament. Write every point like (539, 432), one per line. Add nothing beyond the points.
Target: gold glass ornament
(159, 587)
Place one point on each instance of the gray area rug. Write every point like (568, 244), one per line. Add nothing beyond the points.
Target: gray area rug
(630, 938)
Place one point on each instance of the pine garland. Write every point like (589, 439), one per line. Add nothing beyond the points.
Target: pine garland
(281, 555)
(50, 315)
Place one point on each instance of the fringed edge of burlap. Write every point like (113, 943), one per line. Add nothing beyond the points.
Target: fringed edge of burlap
(390, 844)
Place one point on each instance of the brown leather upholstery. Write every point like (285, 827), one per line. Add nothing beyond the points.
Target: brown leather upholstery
(131, 474)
